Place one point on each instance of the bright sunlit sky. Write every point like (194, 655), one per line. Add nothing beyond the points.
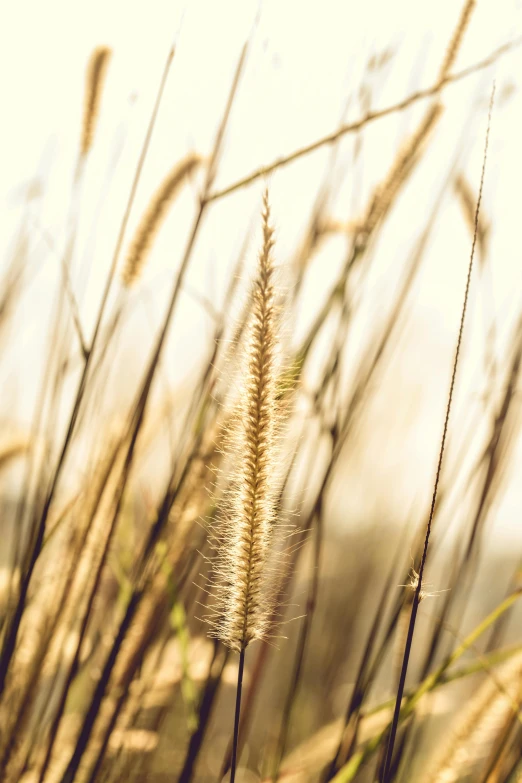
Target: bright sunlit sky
(304, 72)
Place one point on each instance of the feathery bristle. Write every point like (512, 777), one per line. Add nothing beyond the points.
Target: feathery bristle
(96, 72)
(153, 218)
(243, 571)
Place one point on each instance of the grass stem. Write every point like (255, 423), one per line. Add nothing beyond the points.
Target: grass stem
(237, 715)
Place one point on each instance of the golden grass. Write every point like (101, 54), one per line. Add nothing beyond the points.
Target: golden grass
(102, 582)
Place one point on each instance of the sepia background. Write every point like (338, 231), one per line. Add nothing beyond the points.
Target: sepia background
(120, 369)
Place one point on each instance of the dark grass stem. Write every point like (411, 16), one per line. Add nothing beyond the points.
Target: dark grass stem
(387, 777)
(237, 715)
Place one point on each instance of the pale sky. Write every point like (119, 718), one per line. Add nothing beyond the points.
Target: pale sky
(306, 59)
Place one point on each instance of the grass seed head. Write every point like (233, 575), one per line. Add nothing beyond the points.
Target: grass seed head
(246, 566)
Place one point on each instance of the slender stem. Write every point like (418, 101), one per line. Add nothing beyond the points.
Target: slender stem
(387, 774)
(236, 717)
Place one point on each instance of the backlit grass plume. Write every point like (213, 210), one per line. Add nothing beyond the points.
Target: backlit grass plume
(242, 573)
(96, 72)
(245, 570)
(154, 216)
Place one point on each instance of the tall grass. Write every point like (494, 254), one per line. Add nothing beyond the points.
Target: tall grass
(134, 510)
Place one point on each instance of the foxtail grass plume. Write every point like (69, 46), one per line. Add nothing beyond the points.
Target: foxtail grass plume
(243, 572)
(153, 218)
(96, 72)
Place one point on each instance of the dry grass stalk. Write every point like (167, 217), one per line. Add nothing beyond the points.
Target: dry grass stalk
(96, 73)
(151, 615)
(242, 571)
(50, 625)
(153, 218)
